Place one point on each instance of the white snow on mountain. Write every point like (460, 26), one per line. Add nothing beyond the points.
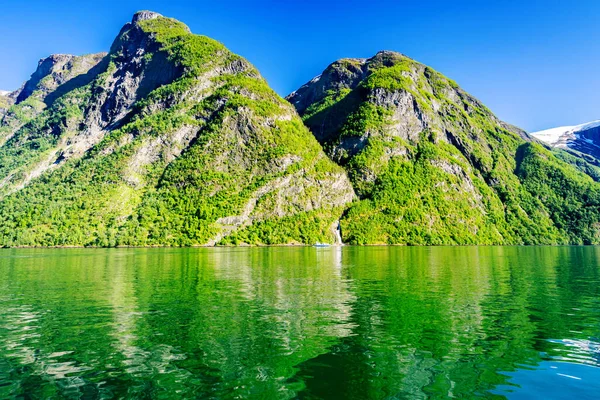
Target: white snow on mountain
(4, 93)
(559, 136)
(551, 136)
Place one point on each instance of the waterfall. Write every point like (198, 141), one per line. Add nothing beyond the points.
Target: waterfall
(338, 235)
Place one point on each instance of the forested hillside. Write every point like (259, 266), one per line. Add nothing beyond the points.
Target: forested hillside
(169, 139)
(432, 165)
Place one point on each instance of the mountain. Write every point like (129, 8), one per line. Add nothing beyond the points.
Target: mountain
(432, 165)
(167, 139)
(582, 140)
(171, 139)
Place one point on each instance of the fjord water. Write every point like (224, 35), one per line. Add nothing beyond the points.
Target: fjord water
(326, 323)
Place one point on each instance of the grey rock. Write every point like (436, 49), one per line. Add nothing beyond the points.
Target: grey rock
(55, 71)
(144, 15)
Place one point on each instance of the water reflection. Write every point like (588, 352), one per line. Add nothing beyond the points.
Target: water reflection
(356, 323)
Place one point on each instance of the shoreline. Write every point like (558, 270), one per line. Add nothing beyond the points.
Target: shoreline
(291, 246)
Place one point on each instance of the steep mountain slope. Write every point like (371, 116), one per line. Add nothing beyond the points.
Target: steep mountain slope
(169, 139)
(432, 165)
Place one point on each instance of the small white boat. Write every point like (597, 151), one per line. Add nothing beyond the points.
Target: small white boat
(321, 245)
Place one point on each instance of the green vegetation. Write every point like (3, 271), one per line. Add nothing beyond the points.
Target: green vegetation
(38, 135)
(5, 102)
(215, 156)
(431, 200)
(443, 170)
(583, 162)
(214, 145)
(302, 228)
(571, 198)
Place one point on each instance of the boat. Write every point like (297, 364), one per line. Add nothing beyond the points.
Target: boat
(321, 245)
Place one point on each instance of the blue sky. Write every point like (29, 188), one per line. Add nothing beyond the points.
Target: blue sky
(536, 64)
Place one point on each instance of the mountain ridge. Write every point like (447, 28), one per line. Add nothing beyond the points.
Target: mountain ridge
(171, 139)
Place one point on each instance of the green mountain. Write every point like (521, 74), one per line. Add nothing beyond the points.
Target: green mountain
(171, 139)
(432, 165)
(167, 139)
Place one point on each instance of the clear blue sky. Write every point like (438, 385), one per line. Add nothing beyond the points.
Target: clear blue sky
(536, 64)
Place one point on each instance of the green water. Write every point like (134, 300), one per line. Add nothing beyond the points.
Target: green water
(308, 323)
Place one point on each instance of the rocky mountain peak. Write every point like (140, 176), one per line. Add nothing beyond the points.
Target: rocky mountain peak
(144, 15)
(344, 74)
(138, 64)
(46, 66)
(388, 57)
(134, 38)
(389, 53)
(410, 137)
(112, 83)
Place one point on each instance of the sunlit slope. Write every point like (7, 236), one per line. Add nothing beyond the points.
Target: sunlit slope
(432, 165)
(169, 139)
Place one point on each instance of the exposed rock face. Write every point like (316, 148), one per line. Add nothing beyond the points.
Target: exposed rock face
(431, 164)
(169, 140)
(55, 71)
(55, 76)
(144, 16)
(112, 84)
(348, 76)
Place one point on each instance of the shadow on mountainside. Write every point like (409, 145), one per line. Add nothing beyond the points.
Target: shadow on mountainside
(77, 82)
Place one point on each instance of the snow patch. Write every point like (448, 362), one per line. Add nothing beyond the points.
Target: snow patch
(588, 141)
(585, 127)
(552, 136)
(4, 93)
(555, 135)
(316, 78)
